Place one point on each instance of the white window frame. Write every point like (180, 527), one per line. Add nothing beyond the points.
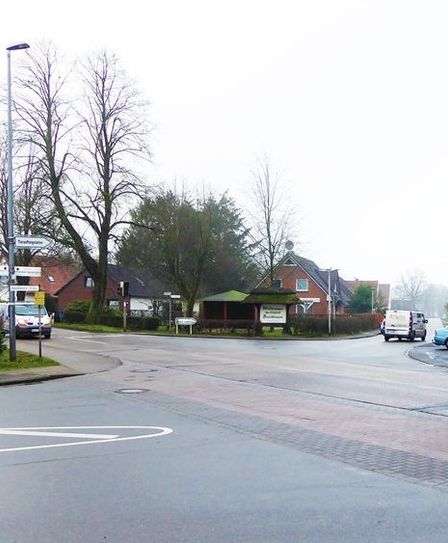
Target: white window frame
(302, 289)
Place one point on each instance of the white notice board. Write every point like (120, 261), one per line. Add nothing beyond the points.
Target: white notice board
(273, 313)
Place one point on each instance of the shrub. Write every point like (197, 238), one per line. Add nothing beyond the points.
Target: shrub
(317, 325)
(2, 339)
(80, 306)
(71, 316)
(222, 325)
(132, 323)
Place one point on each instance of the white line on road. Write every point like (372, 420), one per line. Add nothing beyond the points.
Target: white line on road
(14, 432)
(78, 338)
(159, 431)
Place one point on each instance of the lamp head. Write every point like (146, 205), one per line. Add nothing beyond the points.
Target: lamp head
(18, 46)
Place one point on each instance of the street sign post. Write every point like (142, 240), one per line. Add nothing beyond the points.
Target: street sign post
(39, 300)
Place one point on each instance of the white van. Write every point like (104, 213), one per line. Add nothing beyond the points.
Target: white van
(404, 324)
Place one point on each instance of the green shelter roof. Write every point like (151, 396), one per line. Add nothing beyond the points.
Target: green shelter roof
(228, 296)
(272, 296)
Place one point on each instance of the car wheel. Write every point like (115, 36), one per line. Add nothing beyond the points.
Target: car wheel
(446, 343)
(399, 339)
(47, 336)
(424, 337)
(386, 338)
(412, 336)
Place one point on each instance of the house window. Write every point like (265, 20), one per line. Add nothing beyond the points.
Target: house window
(302, 285)
(88, 282)
(50, 278)
(277, 283)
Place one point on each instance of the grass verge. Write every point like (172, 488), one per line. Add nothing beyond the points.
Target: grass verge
(88, 327)
(24, 361)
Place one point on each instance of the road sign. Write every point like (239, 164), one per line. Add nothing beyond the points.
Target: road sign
(24, 288)
(31, 242)
(27, 271)
(39, 298)
(185, 321)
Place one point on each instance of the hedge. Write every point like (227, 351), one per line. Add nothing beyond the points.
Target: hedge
(317, 325)
(132, 323)
(231, 325)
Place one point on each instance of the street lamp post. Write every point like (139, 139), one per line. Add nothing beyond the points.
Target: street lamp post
(11, 238)
(329, 301)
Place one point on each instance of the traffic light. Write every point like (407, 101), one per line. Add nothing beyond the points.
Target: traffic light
(123, 288)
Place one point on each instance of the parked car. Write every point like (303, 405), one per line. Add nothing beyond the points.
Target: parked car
(27, 320)
(405, 325)
(441, 337)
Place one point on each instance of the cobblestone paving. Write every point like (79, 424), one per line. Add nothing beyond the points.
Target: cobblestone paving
(410, 466)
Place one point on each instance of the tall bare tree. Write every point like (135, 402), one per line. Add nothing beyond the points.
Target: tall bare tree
(411, 287)
(272, 217)
(33, 211)
(84, 153)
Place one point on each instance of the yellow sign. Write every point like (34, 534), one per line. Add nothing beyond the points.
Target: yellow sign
(39, 298)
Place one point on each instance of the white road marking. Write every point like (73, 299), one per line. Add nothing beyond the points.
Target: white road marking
(17, 432)
(78, 338)
(159, 431)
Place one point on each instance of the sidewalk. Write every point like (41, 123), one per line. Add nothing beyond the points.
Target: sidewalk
(71, 364)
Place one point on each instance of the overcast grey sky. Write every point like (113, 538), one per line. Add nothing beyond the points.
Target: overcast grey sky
(348, 98)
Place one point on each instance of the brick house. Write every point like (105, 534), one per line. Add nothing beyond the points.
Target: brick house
(145, 293)
(381, 291)
(311, 285)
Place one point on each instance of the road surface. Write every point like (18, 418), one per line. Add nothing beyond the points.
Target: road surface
(195, 440)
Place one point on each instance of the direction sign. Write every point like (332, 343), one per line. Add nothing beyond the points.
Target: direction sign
(27, 271)
(24, 288)
(21, 271)
(31, 242)
(185, 321)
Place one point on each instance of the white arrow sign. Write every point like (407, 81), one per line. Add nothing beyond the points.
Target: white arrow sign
(88, 438)
(31, 242)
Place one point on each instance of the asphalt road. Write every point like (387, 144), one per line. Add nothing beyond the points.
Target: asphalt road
(212, 440)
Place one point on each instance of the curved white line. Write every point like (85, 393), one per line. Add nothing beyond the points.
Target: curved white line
(162, 432)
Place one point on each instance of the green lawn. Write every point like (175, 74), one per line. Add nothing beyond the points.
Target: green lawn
(87, 327)
(24, 361)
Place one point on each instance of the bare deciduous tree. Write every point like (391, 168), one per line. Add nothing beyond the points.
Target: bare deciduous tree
(88, 191)
(272, 218)
(411, 287)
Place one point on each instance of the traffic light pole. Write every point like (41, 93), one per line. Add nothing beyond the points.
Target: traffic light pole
(124, 315)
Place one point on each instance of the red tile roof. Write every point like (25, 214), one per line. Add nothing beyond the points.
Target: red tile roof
(54, 277)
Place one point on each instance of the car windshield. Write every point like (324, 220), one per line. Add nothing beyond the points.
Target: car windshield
(29, 310)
